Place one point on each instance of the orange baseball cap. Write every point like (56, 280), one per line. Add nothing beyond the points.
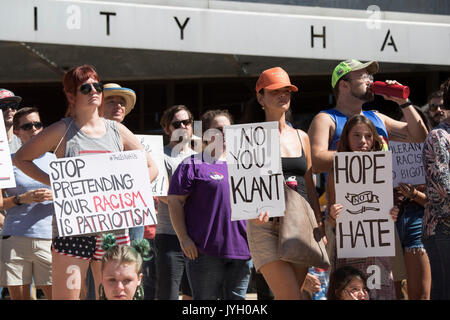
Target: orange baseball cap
(274, 78)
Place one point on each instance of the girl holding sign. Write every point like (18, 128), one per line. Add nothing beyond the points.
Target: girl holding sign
(84, 131)
(358, 134)
(273, 94)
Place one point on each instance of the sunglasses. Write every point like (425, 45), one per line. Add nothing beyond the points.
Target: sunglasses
(7, 105)
(29, 125)
(434, 107)
(177, 124)
(87, 87)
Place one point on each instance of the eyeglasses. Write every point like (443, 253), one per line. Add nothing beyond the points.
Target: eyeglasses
(29, 125)
(362, 77)
(177, 124)
(6, 105)
(87, 87)
(434, 107)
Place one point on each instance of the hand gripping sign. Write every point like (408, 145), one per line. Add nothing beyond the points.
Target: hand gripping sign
(101, 192)
(254, 170)
(363, 184)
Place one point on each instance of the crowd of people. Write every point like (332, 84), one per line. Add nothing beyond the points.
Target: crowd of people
(195, 250)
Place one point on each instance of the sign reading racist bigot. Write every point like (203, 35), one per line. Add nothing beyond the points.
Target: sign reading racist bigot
(363, 184)
(254, 170)
(101, 192)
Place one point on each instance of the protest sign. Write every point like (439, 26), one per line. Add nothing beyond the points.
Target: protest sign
(363, 184)
(254, 170)
(153, 144)
(7, 179)
(407, 165)
(101, 192)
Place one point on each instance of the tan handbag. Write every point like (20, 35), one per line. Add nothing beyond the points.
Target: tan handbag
(299, 238)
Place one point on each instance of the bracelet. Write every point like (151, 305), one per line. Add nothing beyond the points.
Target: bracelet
(406, 104)
(16, 200)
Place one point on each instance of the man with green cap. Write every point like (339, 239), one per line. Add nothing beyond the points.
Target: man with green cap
(350, 81)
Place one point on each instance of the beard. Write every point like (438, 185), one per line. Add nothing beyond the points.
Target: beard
(366, 96)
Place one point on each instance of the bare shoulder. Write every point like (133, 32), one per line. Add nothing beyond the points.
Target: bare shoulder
(320, 121)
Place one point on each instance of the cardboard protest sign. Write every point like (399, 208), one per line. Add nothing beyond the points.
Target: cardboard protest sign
(254, 170)
(363, 184)
(407, 165)
(153, 144)
(7, 179)
(101, 192)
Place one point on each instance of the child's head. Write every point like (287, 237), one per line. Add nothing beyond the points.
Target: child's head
(347, 283)
(359, 134)
(122, 268)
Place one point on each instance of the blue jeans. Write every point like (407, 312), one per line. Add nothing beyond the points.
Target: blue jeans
(136, 233)
(170, 268)
(438, 249)
(213, 278)
(409, 226)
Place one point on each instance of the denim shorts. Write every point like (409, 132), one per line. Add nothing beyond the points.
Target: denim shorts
(409, 226)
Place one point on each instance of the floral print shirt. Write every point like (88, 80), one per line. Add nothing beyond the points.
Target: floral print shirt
(436, 161)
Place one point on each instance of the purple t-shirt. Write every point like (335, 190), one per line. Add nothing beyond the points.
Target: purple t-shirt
(208, 210)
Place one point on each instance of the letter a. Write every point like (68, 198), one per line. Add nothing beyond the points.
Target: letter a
(74, 20)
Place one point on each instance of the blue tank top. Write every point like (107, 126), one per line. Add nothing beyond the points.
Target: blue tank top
(340, 120)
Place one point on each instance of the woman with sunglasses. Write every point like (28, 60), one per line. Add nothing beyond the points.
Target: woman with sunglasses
(84, 131)
(29, 210)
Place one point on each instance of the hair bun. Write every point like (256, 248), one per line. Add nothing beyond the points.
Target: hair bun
(108, 241)
(141, 246)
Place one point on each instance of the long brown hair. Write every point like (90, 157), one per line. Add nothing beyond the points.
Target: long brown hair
(344, 145)
(73, 78)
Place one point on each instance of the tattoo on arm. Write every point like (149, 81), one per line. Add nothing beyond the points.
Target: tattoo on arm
(398, 135)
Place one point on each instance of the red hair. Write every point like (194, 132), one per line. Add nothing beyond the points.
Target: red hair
(73, 78)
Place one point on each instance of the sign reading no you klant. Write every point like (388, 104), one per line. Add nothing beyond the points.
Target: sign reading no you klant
(363, 184)
(254, 170)
(102, 192)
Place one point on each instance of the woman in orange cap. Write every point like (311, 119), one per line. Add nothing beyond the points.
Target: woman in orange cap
(273, 96)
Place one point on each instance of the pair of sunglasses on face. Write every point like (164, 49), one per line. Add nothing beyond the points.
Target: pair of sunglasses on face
(27, 126)
(87, 87)
(177, 124)
(6, 105)
(434, 107)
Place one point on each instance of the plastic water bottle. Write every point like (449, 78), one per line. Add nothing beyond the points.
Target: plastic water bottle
(322, 274)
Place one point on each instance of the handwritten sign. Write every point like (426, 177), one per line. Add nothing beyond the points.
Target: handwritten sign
(154, 145)
(363, 184)
(254, 170)
(102, 192)
(7, 179)
(407, 165)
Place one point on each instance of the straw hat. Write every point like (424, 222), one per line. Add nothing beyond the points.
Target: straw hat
(113, 89)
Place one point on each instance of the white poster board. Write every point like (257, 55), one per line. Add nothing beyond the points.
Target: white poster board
(407, 165)
(363, 184)
(7, 179)
(154, 145)
(254, 170)
(101, 192)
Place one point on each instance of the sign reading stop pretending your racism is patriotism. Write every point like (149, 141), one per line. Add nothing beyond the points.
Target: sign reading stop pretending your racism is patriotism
(153, 144)
(101, 192)
(254, 170)
(363, 184)
(407, 164)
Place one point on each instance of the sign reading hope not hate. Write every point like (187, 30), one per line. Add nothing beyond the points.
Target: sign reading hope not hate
(363, 184)
(101, 192)
(254, 170)
(153, 144)
(407, 164)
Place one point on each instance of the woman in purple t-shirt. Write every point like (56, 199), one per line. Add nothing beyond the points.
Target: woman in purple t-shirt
(218, 264)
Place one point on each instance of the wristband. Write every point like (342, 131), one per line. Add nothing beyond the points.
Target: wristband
(406, 104)
(16, 200)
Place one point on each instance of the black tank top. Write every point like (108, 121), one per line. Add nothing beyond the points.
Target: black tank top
(294, 170)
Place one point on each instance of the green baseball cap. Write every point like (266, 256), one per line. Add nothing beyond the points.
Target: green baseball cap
(352, 65)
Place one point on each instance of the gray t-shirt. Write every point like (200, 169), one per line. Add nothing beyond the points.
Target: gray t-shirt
(14, 144)
(164, 225)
